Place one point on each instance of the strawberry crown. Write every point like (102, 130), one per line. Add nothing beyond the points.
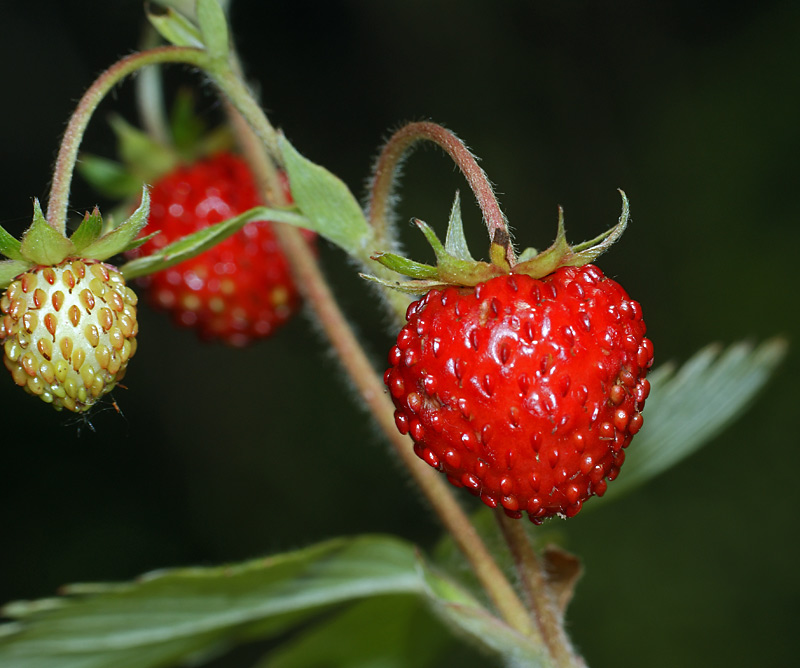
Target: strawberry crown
(146, 158)
(456, 266)
(42, 244)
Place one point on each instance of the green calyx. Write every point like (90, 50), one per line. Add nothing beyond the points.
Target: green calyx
(43, 245)
(456, 266)
(145, 159)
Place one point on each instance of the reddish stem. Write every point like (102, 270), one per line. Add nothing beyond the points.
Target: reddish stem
(386, 169)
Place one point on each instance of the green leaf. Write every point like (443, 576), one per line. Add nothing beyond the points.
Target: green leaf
(41, 244)
(214, 28)
(197, 242)
(9, 245)
(174, 27)
(359, 637)
(88, 231)
(173, 616)
(688, 407)
(331, 209)
(10, 269)
(121, 238)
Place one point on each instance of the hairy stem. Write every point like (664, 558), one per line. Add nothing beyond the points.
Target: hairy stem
(368, 383)
(541, 601)
(391, 157)
(68, 152)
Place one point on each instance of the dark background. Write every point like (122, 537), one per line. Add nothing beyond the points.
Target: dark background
(691, 107)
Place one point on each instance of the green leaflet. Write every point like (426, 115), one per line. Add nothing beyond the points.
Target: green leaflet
(689, 406)
(197, 242)
(169, 617)
(331, 209)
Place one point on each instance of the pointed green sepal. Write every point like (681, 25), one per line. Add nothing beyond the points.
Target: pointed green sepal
(9, 245)
(417, 288)
(10, 269)
(561, 254)
(42, 244)
(406, 267)
(197, 242)
(123, 237)
(108, 177)
(88, 231)
(456, 243)
(148, 159)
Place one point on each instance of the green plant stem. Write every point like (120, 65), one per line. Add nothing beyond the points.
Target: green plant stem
(540, 598)
(68, 152)
(391, 157)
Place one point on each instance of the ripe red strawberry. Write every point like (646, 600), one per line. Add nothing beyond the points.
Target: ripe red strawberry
(68, 332)
(522, 379)
(524, 391)
(237, 291)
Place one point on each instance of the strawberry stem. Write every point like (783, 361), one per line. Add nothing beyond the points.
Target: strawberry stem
(385, 176)
(316, 291)
(538, 593)
(68, 151)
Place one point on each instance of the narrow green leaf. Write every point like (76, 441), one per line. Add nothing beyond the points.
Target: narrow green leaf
(331, 209)
(9, 245)
(688, 407)
(10, 269)
(197, 242)
(41, 244)
(455, 242)
(176, 28)
(214, 28)
(120, 239)
(88, 231)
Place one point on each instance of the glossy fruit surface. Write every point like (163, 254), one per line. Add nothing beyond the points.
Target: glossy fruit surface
(237, 291)
(525, 391)
(68, 332)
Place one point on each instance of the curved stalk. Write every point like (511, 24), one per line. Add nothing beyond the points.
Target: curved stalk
(68, 152)
(392, 155)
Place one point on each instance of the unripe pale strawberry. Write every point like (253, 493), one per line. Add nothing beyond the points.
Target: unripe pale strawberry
(68, 331)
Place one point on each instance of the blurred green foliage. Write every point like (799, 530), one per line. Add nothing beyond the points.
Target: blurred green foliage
(226, 454)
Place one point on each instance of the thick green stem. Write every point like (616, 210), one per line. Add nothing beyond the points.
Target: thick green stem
(395, 150)
(541, 601)
(68, 152)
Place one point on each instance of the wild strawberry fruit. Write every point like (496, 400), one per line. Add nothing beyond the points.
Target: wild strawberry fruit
(67, 320)
(526, 386)
(237, 291)
(68, 331)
